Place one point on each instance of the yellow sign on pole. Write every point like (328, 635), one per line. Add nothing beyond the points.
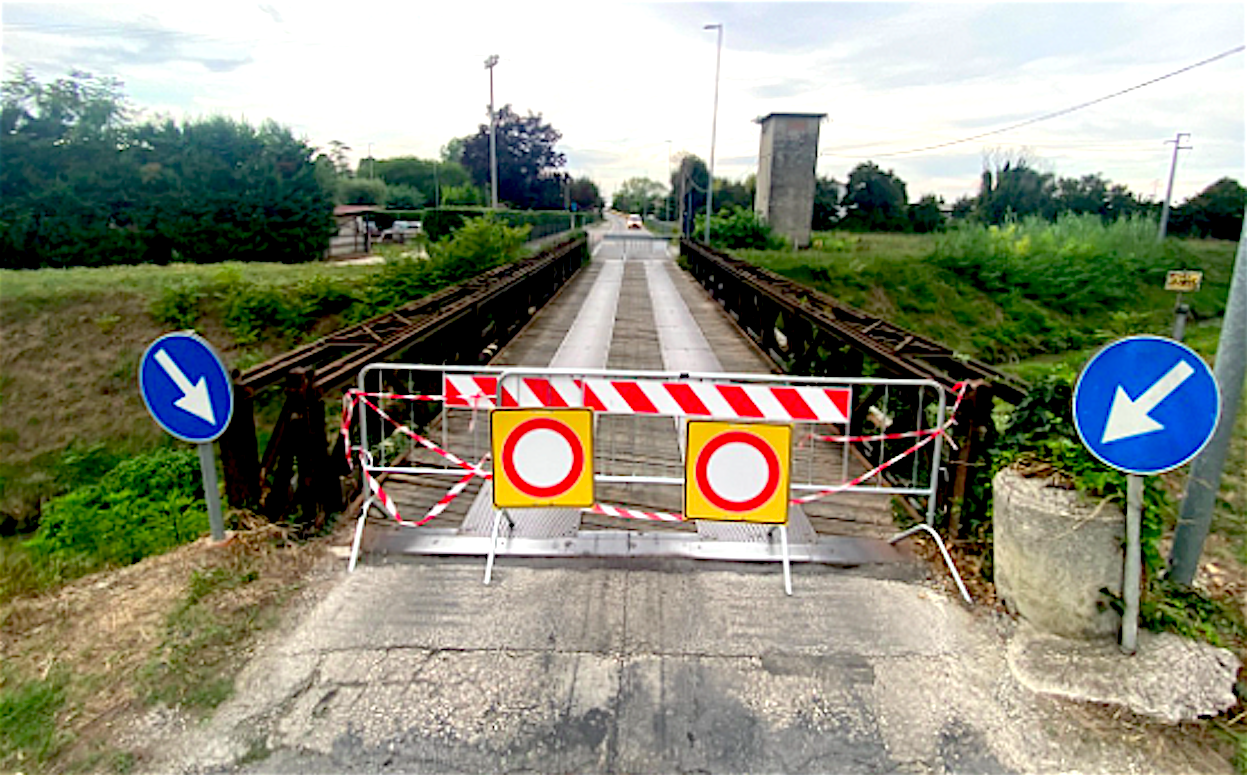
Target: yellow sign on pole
(1183, 281)
(542, 457)
(737, 472)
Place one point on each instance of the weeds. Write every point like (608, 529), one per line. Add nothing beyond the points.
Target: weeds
(200, 635)
(28, 708)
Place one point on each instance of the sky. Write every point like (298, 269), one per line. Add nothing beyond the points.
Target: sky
(629, 84)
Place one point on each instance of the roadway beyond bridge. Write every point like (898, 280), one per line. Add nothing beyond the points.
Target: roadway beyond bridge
(649, 664)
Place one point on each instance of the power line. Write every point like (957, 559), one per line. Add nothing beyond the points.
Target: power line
(1046, 116)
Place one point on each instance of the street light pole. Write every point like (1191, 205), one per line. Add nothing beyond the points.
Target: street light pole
(493, 131)
(714, 125)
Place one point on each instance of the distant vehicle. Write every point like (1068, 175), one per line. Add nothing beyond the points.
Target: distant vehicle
(401, 230)
(634, 222)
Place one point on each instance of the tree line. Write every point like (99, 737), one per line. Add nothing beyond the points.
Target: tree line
(874, 199)
(87, 181)
(84, 183)
(531, 173)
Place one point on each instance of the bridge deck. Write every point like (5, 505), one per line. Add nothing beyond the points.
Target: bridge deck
(662, 320)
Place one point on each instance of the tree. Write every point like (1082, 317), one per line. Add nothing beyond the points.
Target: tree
(875, 200)
(585, 195)
(338, 156)
(85, 186)
(362, 191)
(826, 204)
(691, 177)
(963, 208)
(1016, 189)
(1215, 212)
(638, 195)
(1088, 194)
(424, 175)
(730, 195)
(527, 161)
(927, 215)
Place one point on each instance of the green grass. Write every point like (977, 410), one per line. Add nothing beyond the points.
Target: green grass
(900, 277)
(28, 709)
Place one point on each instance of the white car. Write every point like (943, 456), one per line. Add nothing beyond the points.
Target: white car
(401, 230)
(634, 222)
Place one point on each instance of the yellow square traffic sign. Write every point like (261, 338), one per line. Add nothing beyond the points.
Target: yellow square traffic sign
(737, 471)
(542, 457)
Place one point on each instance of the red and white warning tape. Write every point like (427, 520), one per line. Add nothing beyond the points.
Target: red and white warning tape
(622, 513)
(381, 497)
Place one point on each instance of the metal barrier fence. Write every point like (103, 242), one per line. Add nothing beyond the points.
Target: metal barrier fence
(639, 442)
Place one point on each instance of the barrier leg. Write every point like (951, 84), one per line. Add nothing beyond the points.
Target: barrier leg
(359, 535)
(940, 543)
(783, 540)
(493, 544)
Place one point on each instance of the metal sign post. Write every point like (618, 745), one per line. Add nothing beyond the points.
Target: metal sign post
(189, 393)
(1182, 282)
(1144, 405)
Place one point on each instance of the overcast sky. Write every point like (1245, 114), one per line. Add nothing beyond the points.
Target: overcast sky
(621, 80)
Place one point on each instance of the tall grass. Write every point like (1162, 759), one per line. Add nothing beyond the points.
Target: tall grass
(1076, 265)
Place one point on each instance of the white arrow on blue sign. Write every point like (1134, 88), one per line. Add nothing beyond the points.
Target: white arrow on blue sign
(186, 387)
(1146, 404)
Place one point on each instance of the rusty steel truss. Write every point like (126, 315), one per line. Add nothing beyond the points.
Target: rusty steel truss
(463, 324)
(805, 331)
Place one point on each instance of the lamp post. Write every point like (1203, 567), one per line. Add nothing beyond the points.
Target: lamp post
(714, 124)
(493, 141)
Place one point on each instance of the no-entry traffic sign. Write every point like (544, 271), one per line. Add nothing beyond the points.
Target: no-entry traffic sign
(737, 472)
(542, 457)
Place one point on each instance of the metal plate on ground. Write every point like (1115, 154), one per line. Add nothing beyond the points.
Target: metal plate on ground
(829, 550)
(529, 523)
(800, 530)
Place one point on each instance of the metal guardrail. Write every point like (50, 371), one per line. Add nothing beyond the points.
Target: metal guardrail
(805, 331)
(465, 324)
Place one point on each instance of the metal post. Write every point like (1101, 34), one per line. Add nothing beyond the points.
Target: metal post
(1173, 165)
(1180, 311)
(1195, 516)
(493, 132)
(714, 125)
(1132, 571)
(212, 494)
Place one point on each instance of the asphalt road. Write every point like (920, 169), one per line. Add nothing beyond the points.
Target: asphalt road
(636, 666)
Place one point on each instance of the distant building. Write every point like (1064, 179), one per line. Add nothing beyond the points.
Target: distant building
(786, 166)
(355, 231)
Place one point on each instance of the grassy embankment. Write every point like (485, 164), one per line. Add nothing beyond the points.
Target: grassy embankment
(80, 656)
(1038, 301)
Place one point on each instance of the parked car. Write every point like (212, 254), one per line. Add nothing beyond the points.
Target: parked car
(400, 231)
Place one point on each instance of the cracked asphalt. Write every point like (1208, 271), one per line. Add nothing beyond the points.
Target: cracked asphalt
(678, 666)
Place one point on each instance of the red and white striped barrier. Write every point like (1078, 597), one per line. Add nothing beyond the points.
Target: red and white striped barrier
(652, 396)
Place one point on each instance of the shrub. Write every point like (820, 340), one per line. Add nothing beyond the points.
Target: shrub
(146, 505)
(739, 229)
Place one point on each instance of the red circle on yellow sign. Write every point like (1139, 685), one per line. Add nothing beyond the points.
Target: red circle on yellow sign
(532, 489)
(717, 499)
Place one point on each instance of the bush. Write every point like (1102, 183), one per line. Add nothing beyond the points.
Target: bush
(144, 506)
(739, 229)
(403, 197)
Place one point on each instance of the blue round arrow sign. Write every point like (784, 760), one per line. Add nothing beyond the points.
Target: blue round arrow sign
(1146, 404)
(186, 387)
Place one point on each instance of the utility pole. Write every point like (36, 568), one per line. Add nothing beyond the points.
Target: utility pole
(714, 125)
(372, 163)
(1173, 165)
(668, 198)
(1195, 516)
(493, 132)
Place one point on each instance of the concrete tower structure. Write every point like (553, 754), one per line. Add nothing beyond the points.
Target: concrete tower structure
(786, 164)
